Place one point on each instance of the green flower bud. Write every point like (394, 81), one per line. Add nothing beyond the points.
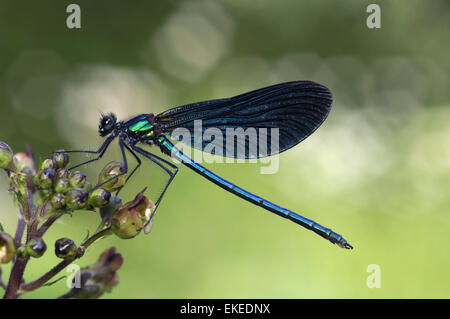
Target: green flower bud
(7, 248)
(61, 158)
(20, 180)
(48, 163)
(62, 185)
(45, 194)
(111, 170)
(58, 201)
(99, 197)
(87, 186)
(77, 179)
(65, 248)
(24, 163)
(36, 247)
(35, 179)
(6, 156)
(63, 172)
(129, 220)
(46, 178)
(76, 198)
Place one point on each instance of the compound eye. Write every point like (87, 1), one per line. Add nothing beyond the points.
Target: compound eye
(107, 123)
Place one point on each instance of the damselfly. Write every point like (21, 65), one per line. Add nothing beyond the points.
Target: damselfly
(294, 109)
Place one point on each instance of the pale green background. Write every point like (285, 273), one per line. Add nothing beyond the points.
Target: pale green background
(377, 171)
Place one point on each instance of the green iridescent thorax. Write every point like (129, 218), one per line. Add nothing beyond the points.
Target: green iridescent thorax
(143, 128)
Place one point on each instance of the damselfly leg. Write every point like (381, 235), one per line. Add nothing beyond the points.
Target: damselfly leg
(101, 151)
(122, 146)
(139, 162)
(162, 164)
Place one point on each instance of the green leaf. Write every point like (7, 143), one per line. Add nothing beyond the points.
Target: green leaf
(1, 228)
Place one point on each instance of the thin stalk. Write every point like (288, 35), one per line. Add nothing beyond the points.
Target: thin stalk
(48, 223)
(2, 284)
(15, 278)
(20, 229)
(63, 264)
(18, 268)
(47, 276)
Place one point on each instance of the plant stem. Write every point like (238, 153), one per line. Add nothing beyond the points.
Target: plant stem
(47, 276)
(63, 264)
(2, 284)
(15, 278)
(49, 222)
(16, 275)
(20, 228)
(18, 268)
(94, 237)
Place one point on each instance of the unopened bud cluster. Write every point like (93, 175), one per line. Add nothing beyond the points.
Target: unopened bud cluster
(45, 191)
(65, 190)
(54, 183)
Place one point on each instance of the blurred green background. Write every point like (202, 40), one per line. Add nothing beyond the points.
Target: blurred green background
(377, 171)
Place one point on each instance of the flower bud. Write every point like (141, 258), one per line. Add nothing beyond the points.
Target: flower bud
(46, 178)
(99, 197)
(65, 248)
(98, 278)
(76, 198)
(36, 247)
(63, 172)
(87, 186)
(20, 180)
(58, 201)
(7, 248)
(61, 158)
(6, 155)
(24, 163)
(111, 170)
(62, 185)
(45, 194)
(77, 179)
(48, 163)
(129, 220)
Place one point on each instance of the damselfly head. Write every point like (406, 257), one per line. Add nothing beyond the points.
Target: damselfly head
(107, 124)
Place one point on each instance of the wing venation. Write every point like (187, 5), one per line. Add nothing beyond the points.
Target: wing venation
(287, 112)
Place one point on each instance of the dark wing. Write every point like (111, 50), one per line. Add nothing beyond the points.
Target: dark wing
(250, 125)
